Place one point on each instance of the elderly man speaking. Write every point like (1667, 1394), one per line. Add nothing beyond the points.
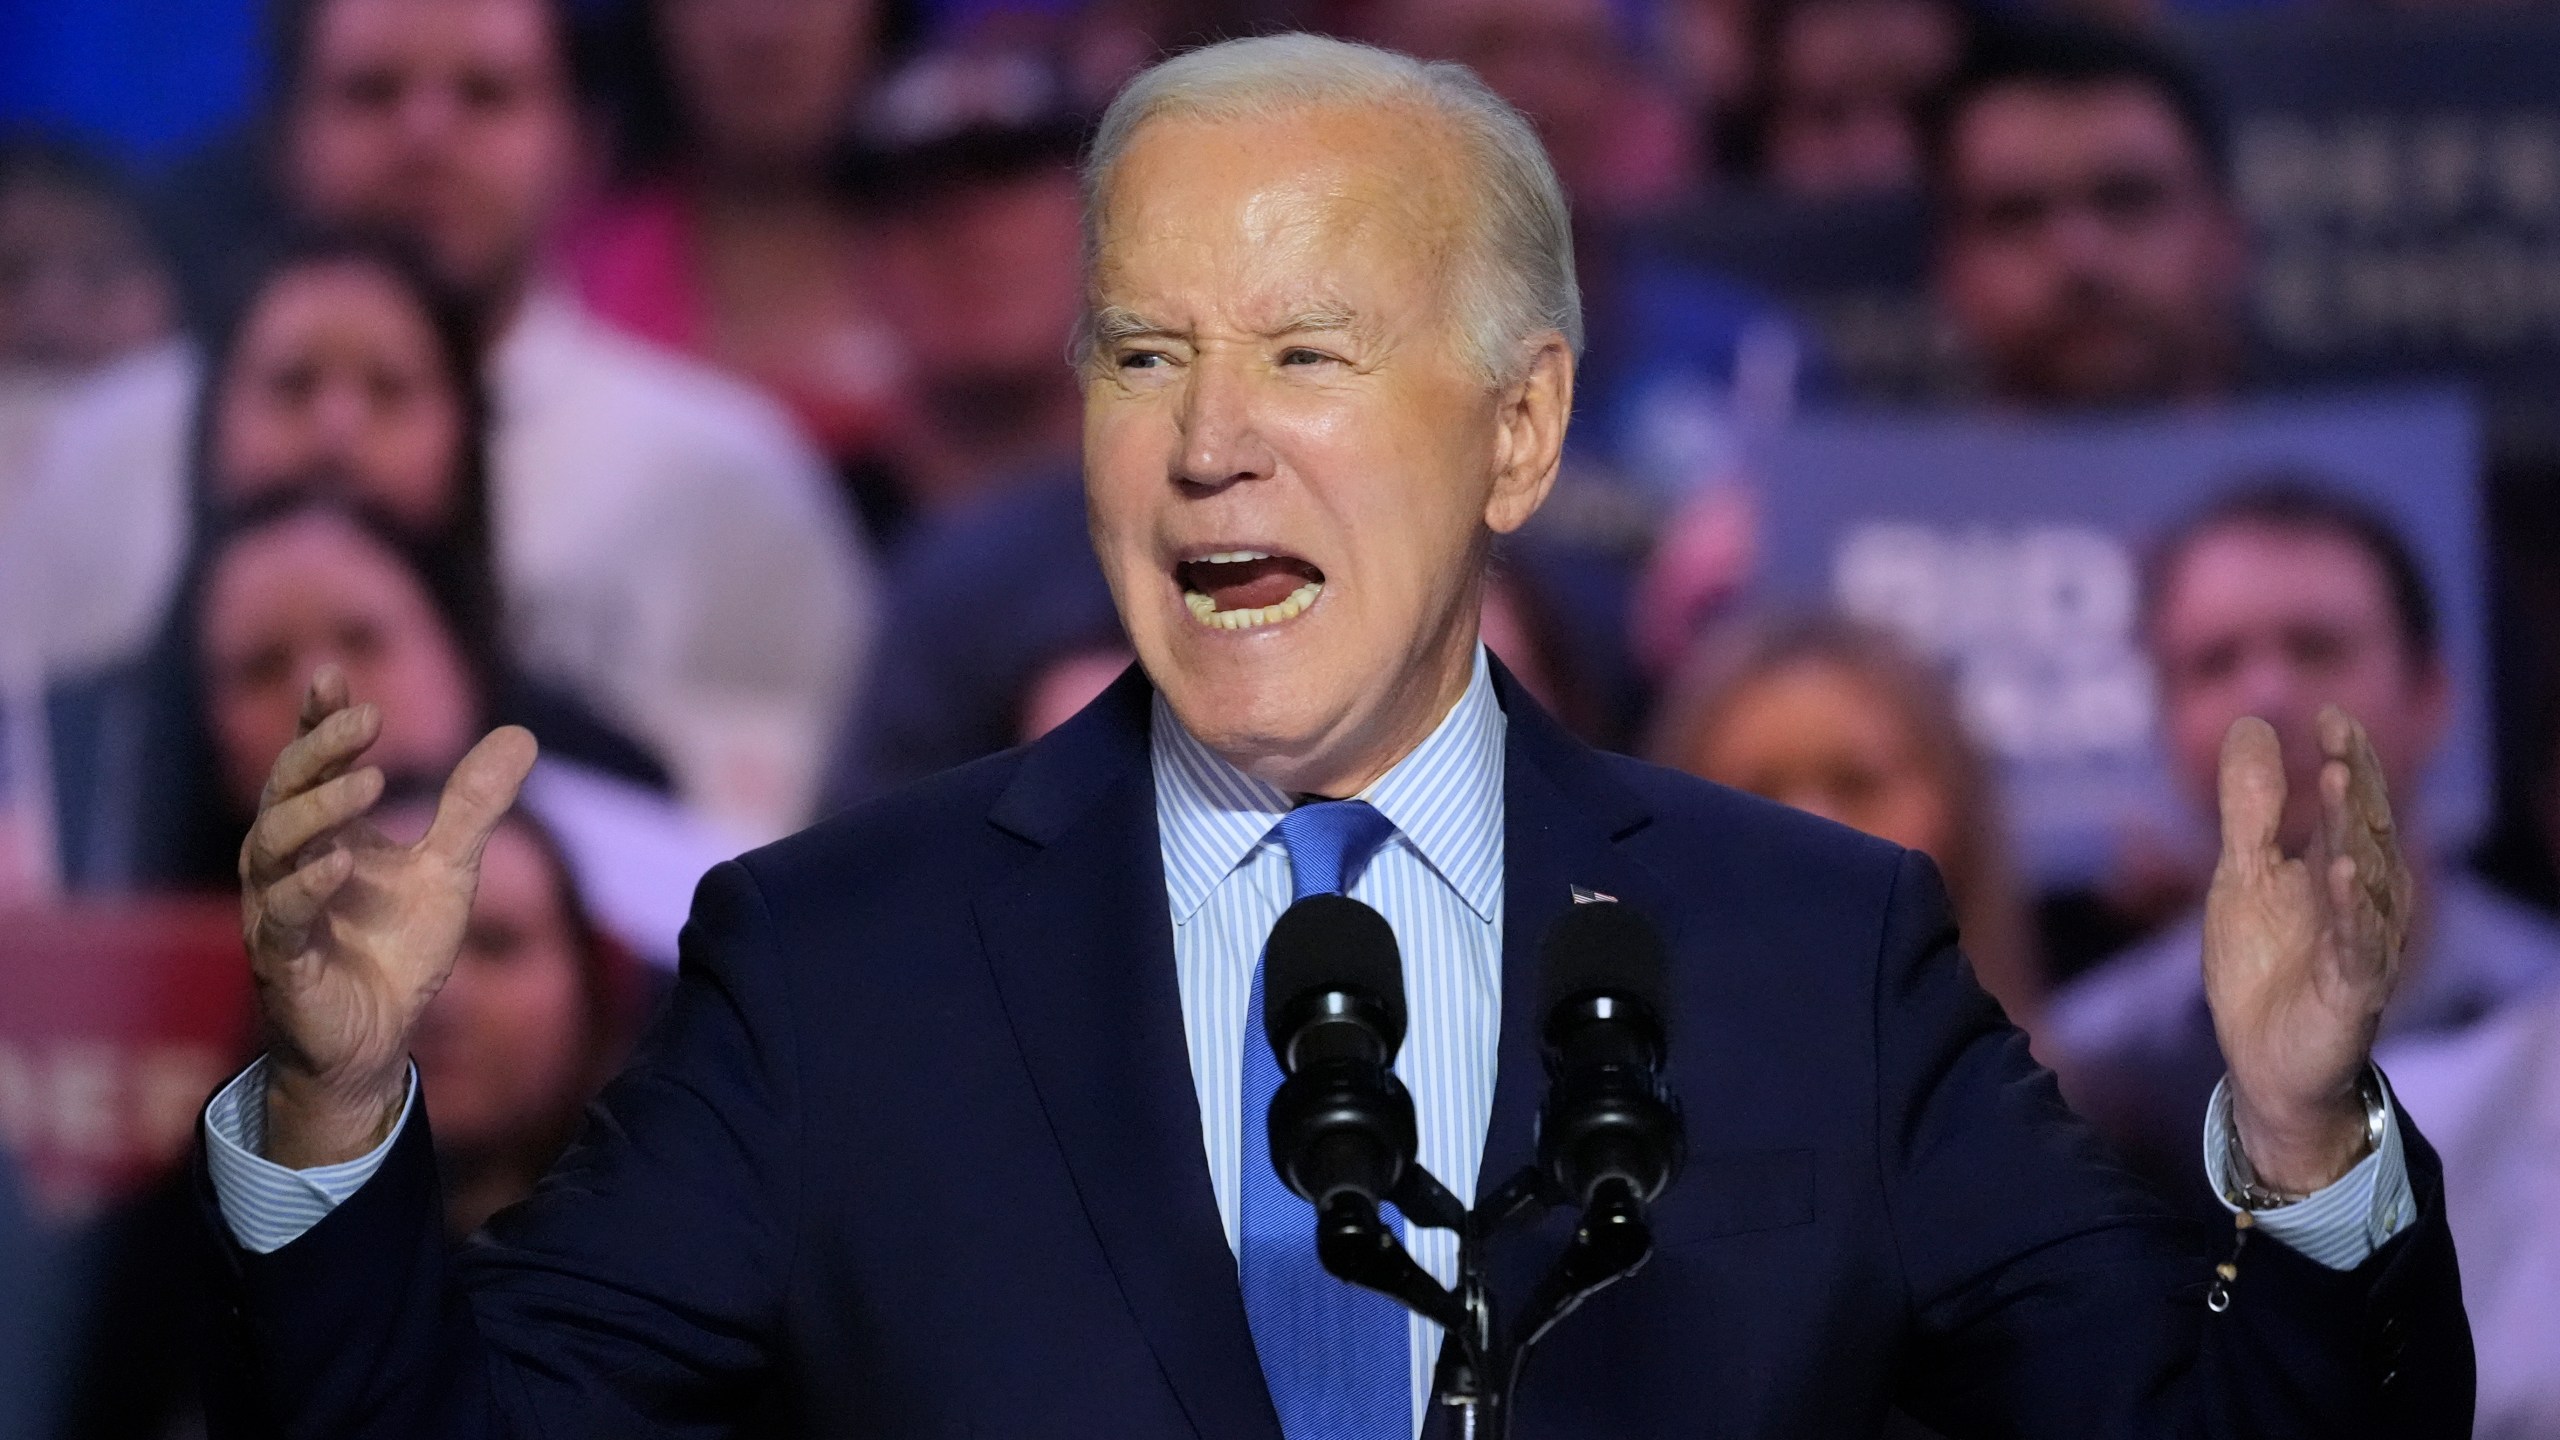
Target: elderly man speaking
(953, 1125)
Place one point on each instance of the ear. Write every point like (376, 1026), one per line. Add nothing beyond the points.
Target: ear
(1529, 424)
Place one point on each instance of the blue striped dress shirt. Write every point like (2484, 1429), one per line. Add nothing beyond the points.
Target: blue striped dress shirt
(1438, 882)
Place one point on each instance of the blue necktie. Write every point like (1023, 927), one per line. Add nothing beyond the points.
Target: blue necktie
(1333, 1355)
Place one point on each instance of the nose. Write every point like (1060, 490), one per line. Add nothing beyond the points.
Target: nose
(2268, 686)
(428, 113)
(2078, 236)
(339, 414)
(1221, 435)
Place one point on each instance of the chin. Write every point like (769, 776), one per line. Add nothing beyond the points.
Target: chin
(1240, 713)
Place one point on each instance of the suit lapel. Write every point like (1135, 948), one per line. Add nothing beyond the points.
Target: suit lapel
(1563, 815)
(1082, 948)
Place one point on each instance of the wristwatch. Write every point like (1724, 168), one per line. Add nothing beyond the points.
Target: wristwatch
(2244, 1189)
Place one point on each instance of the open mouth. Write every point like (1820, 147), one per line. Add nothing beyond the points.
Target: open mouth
(1247, 589)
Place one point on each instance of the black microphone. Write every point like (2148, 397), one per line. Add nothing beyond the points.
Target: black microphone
(1333, 1007)
(1610, 1128)
(1342, 1134)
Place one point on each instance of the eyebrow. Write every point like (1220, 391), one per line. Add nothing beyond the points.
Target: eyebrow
(1319, 319)
(1118, 322)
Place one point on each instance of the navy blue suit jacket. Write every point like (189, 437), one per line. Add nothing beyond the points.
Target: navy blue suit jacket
(916, 1152)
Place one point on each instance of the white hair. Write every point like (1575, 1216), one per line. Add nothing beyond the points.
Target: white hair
(1516, 285)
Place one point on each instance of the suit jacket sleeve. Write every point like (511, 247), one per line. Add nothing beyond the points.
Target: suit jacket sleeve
(2050, 1290)
(635, 1294)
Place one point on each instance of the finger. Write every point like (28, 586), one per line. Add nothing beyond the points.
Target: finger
(322, 752)
(2372, 790)
(2367, 830)
(2253, 792)
(326, 696)
(482, 789)
(2330, 839)
(2363, 931)
(292, 905)
(283, 830)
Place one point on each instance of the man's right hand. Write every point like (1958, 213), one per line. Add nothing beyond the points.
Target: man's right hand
(349, 934)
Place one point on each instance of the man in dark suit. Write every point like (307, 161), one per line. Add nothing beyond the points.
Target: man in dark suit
(952, 1127)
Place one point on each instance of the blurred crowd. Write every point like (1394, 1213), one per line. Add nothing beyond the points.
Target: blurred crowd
(687, 380)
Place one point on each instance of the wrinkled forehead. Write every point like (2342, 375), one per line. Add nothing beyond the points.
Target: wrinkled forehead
(526, 37)
(2243, 573)
(1305, 207)
(2032, 128)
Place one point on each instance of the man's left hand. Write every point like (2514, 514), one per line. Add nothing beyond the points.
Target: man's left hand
(2301, 953)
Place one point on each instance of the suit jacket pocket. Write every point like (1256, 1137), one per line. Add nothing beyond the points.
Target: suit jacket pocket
(1732, 1192)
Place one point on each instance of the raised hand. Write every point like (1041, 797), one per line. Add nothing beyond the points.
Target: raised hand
(2301, 954)
(349, 934)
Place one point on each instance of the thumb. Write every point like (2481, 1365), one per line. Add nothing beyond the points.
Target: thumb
(479, 793)
(2253, 791)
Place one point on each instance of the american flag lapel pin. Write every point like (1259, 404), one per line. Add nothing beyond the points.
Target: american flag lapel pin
(1584, 895)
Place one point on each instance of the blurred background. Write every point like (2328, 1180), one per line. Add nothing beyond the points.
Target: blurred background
(1985, 404)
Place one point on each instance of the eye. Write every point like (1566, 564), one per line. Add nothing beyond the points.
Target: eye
(295, 383)
(485, 92)
(1301, 355)
(263, 668)
(496, 941)
(1142, 360)
(371, 89)
(389, 389)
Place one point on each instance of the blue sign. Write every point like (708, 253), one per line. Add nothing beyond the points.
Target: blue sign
(2010, 547)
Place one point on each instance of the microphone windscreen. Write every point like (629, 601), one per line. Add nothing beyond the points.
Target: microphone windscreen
(1332, 942)
(1602, 946)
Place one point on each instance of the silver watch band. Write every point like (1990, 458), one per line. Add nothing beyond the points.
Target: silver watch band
(2244, 1189)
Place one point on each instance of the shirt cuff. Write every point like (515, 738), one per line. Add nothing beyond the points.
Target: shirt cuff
(266, 1205)
(2341, 1224)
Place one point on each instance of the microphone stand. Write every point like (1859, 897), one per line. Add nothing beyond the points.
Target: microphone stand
(1479, 1376)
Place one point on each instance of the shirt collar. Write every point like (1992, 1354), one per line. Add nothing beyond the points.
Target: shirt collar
(1444, 798)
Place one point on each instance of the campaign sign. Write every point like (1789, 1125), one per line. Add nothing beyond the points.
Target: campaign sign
(2011, 548)
(117, 1019)
(2401, 175)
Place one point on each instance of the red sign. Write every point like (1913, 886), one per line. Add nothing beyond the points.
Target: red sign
(116, 1021)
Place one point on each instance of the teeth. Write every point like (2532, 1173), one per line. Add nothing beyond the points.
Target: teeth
(1234, 557)
(1206, 611)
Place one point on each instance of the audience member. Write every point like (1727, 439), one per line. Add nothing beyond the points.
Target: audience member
(1707, 51)
(158, 770)
(536, 1015)
(1530, 623)
(80, 286)
(670, 547)
(1615, 133)
(2276, 601)
(79, 282)
(346, 368)
(724, 236)
(1845, 82)
(346, 360)
(2489, 1098)
(980, 604)
(26, 1285)
(2089, 252)
(1840, 718)
(977, 179)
